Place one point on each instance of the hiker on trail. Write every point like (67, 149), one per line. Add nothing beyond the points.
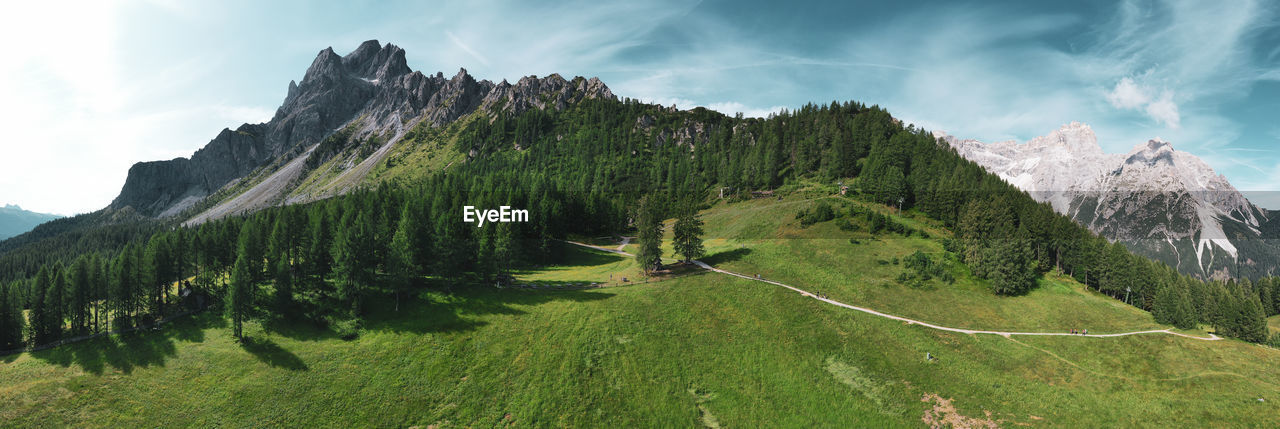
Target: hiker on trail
(1086, 332)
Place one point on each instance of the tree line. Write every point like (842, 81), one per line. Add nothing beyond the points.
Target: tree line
(582, 170)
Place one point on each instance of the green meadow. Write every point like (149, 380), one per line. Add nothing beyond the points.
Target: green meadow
(699, 349)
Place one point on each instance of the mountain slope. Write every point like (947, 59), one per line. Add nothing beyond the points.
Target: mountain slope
(1163, 203)
(14, 220)
(366, 100)
(685, 351)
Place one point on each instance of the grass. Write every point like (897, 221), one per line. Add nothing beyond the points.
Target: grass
(702, 349)
(427, 151)
(763, 237)
(683, 352)
(583, 265)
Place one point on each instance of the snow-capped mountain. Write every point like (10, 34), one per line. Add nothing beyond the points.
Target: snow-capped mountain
(1164, 203)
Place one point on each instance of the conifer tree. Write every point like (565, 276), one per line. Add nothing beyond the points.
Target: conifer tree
(239, 294)
(157, 273)
(649, 234)
(55, 303)
(79, 291)
(319, 256)
(12, 321)
(687, 235)
(352, 259)
(39, 316)
(283, 270)
(401, 263)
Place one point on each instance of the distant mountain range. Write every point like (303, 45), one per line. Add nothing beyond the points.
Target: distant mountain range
(14, 220)
(341, 126)
(1163, 203)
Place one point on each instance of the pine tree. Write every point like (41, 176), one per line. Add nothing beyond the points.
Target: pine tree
(283, 270)
(253, 247)
(240, 294)
(280, 261)
(687, 235)
(55, 303)
(12, 321)
(319, 258)
(401, 263)
(157, 273)
(79, 291)
(1172, 307)
(1253, 319)
(121, 290)
(352, 259)
(98, 289)
(649, 234)
(1012, 270)
(39, 312)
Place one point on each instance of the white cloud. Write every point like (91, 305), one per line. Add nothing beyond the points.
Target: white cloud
(1127, 95)
(1165, 111)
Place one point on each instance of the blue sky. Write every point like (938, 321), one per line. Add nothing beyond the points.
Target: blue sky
(87, 90)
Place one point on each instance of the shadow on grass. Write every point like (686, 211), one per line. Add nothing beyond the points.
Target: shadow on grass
(430, 312)
(297, 328)
(726, 256)
(577, 256)
(272, 354)
(142, 348)
(453, 312)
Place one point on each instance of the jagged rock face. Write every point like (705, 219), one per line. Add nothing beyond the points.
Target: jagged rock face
(1164, 203)
(372, 85)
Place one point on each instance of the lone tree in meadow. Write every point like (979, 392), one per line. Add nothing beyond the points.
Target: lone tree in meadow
(238, 295)
(649, 223)
(240, 291)
(687, 235)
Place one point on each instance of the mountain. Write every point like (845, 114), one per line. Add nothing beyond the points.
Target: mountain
(1160, 202)
(366, 100)
(14, 220)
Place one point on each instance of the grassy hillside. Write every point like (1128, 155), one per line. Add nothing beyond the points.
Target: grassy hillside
(762, 236)
(702, 349)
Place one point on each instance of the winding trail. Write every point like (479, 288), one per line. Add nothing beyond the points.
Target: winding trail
(1006, 334)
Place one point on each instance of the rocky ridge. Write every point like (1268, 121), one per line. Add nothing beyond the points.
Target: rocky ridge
(372, 88)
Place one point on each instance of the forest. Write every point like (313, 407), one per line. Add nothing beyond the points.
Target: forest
(579, 171)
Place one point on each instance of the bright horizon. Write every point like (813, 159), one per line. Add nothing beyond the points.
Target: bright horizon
(89, 90)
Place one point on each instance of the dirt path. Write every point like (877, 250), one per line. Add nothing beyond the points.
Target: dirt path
(625, 242)
(1006, 334)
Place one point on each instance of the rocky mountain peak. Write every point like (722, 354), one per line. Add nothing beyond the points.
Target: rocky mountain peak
(461, 76)
(1075, 137)
(371, 90)
(372, 62)
(1167, 204)
(1151, 153)
(327, 65)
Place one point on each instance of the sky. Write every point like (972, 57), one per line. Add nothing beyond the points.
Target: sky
(88, 89)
